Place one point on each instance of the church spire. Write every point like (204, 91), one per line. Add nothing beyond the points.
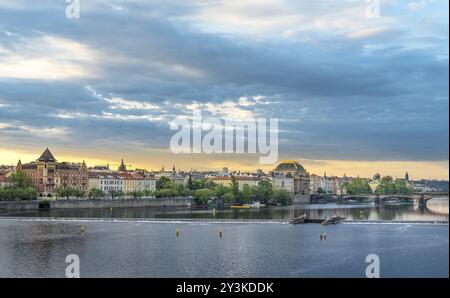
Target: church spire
(122, 166)
(19, 165)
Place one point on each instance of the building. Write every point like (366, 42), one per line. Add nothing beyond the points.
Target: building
(136, 182)
(173, 175)
(100, 168)
(5, 173)
(106, 182)
(285, 182)
(329, 184)
(126, 182)
(302, 188)
(146, 184)
(47, 174)
(241, 180)
(315, 183)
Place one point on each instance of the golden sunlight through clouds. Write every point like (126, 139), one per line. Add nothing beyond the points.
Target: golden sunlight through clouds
(154, 159)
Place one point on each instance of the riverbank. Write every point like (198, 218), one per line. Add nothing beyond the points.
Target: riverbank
(86, 203)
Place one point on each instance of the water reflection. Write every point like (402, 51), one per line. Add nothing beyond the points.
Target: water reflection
(436, 209)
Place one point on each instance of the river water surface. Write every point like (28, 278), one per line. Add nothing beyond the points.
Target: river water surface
(37, 244)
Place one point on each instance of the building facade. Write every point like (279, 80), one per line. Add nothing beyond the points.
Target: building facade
(126, 182)
(302, 187)
(284, 182)
(106, 182)
(47, 174)
(5, 174)
(329, 185)
(241, 180)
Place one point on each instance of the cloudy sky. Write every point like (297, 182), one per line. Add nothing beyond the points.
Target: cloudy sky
(354, 93)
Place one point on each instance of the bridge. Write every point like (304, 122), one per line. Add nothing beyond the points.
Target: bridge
(421, 198)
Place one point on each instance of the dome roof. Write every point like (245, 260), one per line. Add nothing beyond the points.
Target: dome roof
(289, 166)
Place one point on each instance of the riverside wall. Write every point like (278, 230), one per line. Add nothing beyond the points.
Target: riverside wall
(79, 204)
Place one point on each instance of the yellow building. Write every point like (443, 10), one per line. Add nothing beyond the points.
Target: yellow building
(241, 180)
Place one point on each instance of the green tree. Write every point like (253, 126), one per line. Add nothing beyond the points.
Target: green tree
(78, 193)
(163, 183)
(17, 193)
(209, 184)
(263, 192)
(135, 194)
(234, 187)
(186, 192)
(358, 186)
(21, 179)
(115, 194)
(229, 197)
(96, 193)
(220, 190)
(281, 196)
(190, 185)
(148, 193)
(166, 192)
(246, 194)
(388, 186)
(203, 195)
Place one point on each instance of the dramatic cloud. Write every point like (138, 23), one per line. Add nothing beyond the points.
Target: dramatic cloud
(345, 85)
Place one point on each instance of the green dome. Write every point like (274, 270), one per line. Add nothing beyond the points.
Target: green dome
(289, 166)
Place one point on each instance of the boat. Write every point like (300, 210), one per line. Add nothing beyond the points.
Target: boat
(299, 220)
(397, 201)
(255, 205)
(239, 207)
(333, 220)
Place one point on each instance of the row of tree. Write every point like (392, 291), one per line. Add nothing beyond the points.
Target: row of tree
(358, 186)
(387, 186)
(205, 189)
(21, 188)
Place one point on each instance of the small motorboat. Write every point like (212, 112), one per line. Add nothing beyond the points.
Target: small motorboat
(333, 220)
(255, 205)
(239, 207)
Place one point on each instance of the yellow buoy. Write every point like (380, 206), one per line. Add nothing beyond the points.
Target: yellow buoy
(82, 229)
(177, 232)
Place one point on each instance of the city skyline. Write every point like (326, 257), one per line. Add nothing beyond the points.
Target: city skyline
(353, 94)
(115, 163)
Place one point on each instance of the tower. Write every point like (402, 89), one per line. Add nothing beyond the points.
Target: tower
(122, 167)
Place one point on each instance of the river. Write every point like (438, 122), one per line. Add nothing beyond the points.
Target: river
(146, 245)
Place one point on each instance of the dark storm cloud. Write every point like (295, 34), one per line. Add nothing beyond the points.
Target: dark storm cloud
(379, 97)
